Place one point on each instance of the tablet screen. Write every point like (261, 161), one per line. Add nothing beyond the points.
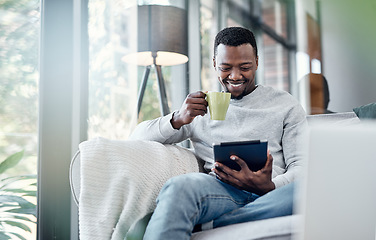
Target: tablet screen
(253, 152)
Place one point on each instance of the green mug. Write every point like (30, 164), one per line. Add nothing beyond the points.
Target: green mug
(218, 104)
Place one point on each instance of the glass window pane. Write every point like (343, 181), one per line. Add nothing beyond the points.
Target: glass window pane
(208, 31)
(113, 83)
(239, 13)
(19, 47)
(276, 64)
(244, 5)
(274, 14)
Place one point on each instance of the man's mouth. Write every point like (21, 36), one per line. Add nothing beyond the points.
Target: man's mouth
(235, 84)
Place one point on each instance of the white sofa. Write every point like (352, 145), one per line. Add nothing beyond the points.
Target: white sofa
(276, 228)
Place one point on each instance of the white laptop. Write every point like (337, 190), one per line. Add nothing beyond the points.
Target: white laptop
(339, 191)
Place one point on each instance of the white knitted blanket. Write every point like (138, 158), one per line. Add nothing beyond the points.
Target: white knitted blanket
(120, 181)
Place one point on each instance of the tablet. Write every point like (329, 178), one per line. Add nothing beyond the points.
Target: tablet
(254, 153)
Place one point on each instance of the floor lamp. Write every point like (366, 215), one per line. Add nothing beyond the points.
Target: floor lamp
(162, 41)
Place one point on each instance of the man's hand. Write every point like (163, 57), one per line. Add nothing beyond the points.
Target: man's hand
(193, 105)
(259, 182)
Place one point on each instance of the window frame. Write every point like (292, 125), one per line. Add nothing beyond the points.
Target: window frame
(62, 112)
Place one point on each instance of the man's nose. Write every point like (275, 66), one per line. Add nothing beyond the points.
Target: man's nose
(235, 74)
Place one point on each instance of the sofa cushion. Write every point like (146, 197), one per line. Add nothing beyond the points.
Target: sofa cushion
(274, 228)
(367, 111)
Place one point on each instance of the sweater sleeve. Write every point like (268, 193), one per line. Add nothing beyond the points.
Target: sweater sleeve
(294, 128)
(160, 130)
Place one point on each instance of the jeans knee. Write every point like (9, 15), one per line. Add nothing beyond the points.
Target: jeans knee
(183, 186)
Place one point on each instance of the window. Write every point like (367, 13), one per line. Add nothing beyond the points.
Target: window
(19, 47)
(208, 30)
(274, 15)
(113, 83)
(276, 64)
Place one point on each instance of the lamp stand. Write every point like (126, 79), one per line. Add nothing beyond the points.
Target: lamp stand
(161, 86)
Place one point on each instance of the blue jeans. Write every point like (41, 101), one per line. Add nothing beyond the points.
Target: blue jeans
(198, 198)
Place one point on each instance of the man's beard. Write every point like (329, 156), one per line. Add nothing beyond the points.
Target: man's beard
(240, 96)
(244, 80)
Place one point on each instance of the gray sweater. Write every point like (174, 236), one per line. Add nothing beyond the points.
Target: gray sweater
(265, 113)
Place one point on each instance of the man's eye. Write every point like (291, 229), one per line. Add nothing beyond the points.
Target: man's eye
(245, 68)
(224, 69)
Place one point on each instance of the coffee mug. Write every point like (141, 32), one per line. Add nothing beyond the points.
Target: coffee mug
(218, 104)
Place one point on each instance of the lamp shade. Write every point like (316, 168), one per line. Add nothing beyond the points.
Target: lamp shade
(162, 31)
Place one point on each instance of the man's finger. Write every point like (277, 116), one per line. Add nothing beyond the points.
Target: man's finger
(269, 162)
(238, 160)
(197, 94)
(221, 167)
(201, 101)
(227, 177)
(199, 107)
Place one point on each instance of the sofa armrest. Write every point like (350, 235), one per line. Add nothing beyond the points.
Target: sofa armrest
(343, 118)
(74, 176)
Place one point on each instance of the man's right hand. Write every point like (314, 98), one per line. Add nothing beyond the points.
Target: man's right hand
(193, 105)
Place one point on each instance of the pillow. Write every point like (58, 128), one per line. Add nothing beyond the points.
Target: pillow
(366, 111)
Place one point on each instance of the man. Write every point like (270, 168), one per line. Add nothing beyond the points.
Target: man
(255, 112)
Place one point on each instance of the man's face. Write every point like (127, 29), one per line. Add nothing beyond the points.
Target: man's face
(236, 68)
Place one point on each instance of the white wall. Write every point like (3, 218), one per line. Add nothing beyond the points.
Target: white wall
(349, 52)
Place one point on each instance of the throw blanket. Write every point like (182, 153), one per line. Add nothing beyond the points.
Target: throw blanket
(120, 181)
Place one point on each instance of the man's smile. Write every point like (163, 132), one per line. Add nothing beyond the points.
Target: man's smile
(236, 84)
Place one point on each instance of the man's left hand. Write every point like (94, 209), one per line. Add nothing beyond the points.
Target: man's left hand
(259, 182)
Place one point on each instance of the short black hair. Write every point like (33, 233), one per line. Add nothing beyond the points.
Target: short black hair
(235, 36)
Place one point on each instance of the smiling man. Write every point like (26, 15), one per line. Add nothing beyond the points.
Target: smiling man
(255, 112)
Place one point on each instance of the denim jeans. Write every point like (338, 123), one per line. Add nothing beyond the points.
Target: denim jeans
(198, 198)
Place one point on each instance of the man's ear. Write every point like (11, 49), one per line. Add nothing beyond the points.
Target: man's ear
(214, 64)
(257, 62)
